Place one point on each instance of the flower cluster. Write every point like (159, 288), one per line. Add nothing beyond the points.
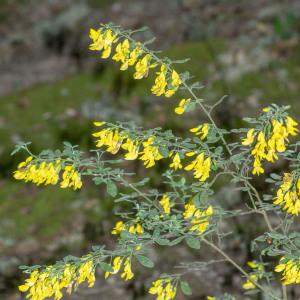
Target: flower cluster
(131, 53)
(113, 141)
(148, 151)
(165, 289)
(117, 264)
(48, 173)
(259, 269)
(163, 86)
(269, 141)
(46, 284)
(290, 270)
(201, 130)
(121, 226)
(201, 166)
(198, 219)
(288, 194)
(102, 40)
(71, 178)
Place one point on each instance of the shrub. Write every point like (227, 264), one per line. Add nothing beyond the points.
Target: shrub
(183, 211)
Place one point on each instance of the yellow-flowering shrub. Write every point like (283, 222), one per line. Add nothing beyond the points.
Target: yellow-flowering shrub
(185, 210)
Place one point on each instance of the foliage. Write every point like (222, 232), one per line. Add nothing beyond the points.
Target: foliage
(182, 210)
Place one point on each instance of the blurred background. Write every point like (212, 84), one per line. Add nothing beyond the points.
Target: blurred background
(52, 88)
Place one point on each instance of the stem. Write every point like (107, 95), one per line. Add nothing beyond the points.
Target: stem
(284, 292)
(230, 260)
(264, 213)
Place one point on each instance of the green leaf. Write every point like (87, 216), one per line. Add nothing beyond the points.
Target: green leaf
(125, 235)
(164, 151)
(111, 188)
(185, 287)
(106, 267)
(97, 180)
(161, 241)
(275, 176)
(145, 261)
(193, 243)
(176, 241)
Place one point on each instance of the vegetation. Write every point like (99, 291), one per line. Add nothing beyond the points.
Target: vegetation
(182, 208)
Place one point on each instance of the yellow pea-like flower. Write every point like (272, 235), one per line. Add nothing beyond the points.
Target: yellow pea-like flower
(180, 109)
(165, 203)
(176, 162)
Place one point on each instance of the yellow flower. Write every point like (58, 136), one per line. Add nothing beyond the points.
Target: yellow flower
(253, 264)
(108, 39)
(250, 137)
(288, 195)
(98, 124)
(249, 285)
(97, 40)
(180, 109)
(176, 163)
(257, 167)
(198, 219)
(119, 227)
(139, 229)
(150, 153)
(44, 284)
(290, 270)
(112, 139)
(165, 203)
(38, 173)
(189, 210)
(201, 167)
(117, 262)
(291, 126)
(142, 67)
(132, 147)
(267, 145)
(134, 55)
(159, 86)
(122, 54)
(266, 109)
(164, 289)
(201, 130)
(102, 41)
(71, 178)
(127, 273)
(175, 83)
(259, 153)
(86, 271)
